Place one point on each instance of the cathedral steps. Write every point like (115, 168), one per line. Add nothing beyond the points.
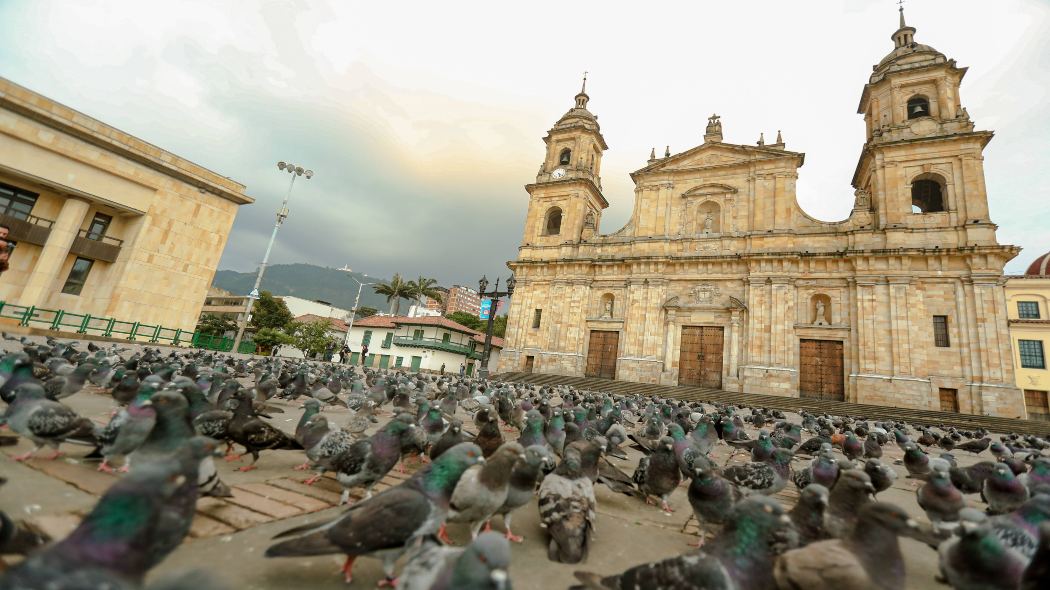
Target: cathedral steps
(790, 404)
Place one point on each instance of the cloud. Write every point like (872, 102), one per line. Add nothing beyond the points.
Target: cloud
(424, 120)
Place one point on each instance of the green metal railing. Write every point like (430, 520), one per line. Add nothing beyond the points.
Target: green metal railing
(65, 321)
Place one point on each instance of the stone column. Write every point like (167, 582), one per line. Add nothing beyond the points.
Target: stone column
(41, 282)
(734, 345)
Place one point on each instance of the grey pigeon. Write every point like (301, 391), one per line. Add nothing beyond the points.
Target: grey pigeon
(762, 477)
(482, 565)
(977, 560)
(524, 477)
(808, 514)
(44, 422)
(851, 492)
(568, 509)
(1037, 574)
(741, 558)
(711, 497)
(868, 558)
(452, 436)
(482, 490)
(658, 474)
(383, 524)
(1003, 491)
(940, 500)
(882, 475)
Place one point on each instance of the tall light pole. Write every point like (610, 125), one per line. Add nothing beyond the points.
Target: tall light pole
(282, 214)
(357, 300)
(495, 295)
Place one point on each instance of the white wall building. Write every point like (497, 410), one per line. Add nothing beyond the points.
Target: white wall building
(420, 343)
(299, 307)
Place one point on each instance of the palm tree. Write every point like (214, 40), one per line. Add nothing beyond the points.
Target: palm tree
(424, 287)
(394, 290)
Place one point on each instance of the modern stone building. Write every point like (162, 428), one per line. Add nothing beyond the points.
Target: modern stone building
(1028, 300)
(719, 279)
(105, 223)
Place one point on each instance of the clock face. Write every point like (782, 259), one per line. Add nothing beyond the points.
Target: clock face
(558, 173)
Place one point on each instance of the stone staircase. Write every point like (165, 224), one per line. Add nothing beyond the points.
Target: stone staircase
(789, 404)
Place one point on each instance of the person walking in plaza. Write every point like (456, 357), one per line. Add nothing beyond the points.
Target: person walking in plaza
(462, 370)
(344, 355)
(5, 248)
(442, 368)
(364, 353)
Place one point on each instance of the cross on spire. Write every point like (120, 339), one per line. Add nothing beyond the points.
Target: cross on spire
(900, 3)
(583, 89)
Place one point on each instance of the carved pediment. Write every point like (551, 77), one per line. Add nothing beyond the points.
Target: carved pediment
(716, 154)
(707, 190)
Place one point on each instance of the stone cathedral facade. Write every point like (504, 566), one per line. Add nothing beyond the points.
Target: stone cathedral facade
(721, 280)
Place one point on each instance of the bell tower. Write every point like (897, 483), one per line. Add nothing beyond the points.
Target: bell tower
(566, 200)
(922, 164)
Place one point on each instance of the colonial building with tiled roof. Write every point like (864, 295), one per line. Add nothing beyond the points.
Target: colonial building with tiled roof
(421, 343)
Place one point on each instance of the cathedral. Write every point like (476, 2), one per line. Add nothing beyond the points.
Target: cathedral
(721, 280)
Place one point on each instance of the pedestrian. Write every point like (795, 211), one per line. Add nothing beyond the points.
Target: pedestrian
(462, 370)
(344, 355)
(442, 368)
(328, 349)
(364, 353)
(5, 248)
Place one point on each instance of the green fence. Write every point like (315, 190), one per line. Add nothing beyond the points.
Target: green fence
(60, 320)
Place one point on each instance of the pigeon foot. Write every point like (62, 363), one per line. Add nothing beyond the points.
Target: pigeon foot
(348, 565)
(247, 467)
(23, 456)
(302, 467)
(104, 467)
(311, 480)
(232, 458)
(443, 535)
(387, 583)
(514, 538)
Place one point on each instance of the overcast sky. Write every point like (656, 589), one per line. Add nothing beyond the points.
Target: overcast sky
(423, 120)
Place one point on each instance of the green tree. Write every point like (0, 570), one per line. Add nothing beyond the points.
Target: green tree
(311, 337)
(423, 288)
(270, 312)
(216, 325)
(466, 319)
(394, 290)
(267, 338)
(365, 312)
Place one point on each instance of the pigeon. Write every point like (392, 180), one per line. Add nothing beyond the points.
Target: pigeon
(916, 461)
(940, 500)
(452, 436)
(249, 431)
(882, 476)
(44, 422)
(851, 492)
(532, 433)
(1037, 574)
(808, 514)
(975, 446)
(711, 497)
(367, 461)
(524, 477)
(977, 560)
(970, 480)
(658, 474)
(872, 448)
(482, 565)
(762, 478)
(1037, 480)
(383, 524)
(1003, 492)
(489, 437)
(869, 557)
(568, 509)
(482, 490)
(97, 550)
(127, 430)
(823, 469)
(1019, 530)
(741, 558)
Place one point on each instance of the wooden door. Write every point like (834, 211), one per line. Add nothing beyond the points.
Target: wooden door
(700, 358)
(949, 399)
(601, 354)
(1036, 403)
(530, 363)
(384, 361)
(417, 361)
(820, 370)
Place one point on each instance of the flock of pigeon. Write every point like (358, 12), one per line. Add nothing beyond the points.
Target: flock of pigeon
(175, 412)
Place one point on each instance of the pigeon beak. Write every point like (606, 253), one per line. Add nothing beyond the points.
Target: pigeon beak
(912, 524)
(499, 578)
(785, 519)
(869, 487)
(481, 460)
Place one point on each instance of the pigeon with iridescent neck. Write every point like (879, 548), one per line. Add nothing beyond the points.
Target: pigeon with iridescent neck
(382, 526)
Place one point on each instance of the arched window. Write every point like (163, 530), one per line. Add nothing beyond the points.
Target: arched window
(552, 227)
(926, 196)
(918, 106)
(565, 157)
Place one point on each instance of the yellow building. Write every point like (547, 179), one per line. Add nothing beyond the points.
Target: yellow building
(1028, 298)
(105, 223)
(720, 280)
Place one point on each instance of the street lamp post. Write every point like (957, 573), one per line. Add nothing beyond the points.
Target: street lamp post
(282, 214)
(357, 300)
(495, 295)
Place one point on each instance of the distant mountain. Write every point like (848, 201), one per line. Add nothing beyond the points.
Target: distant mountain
(309, 282)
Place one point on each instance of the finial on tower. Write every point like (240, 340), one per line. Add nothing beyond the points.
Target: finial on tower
(762, 138)
(901, 4)
(652, 155)
(582, 98)
(583, 89)
(714, 129)
(667, 152)
(905, 35)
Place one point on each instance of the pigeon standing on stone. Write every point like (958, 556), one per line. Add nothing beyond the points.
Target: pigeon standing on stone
(482, 565)
(44, 422)
(1003, 491)
(482, 490)
(869, 557)
(940, 500)
(970, 480)
(1037, 480)
(367, 461)
(658, 474)
(384, 524)
(808, 514)
(524, 477)
(977, 559)
(452, 436)
(568, 509)
(126, 431)
(882, 476)
(762, 477)
(916, 461)
(255, 435)
(1037, 574)
(851, 492)
(711, 497)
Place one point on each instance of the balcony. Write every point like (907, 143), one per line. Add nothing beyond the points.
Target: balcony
(96, 246)
(28, 229)
(433, 344)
